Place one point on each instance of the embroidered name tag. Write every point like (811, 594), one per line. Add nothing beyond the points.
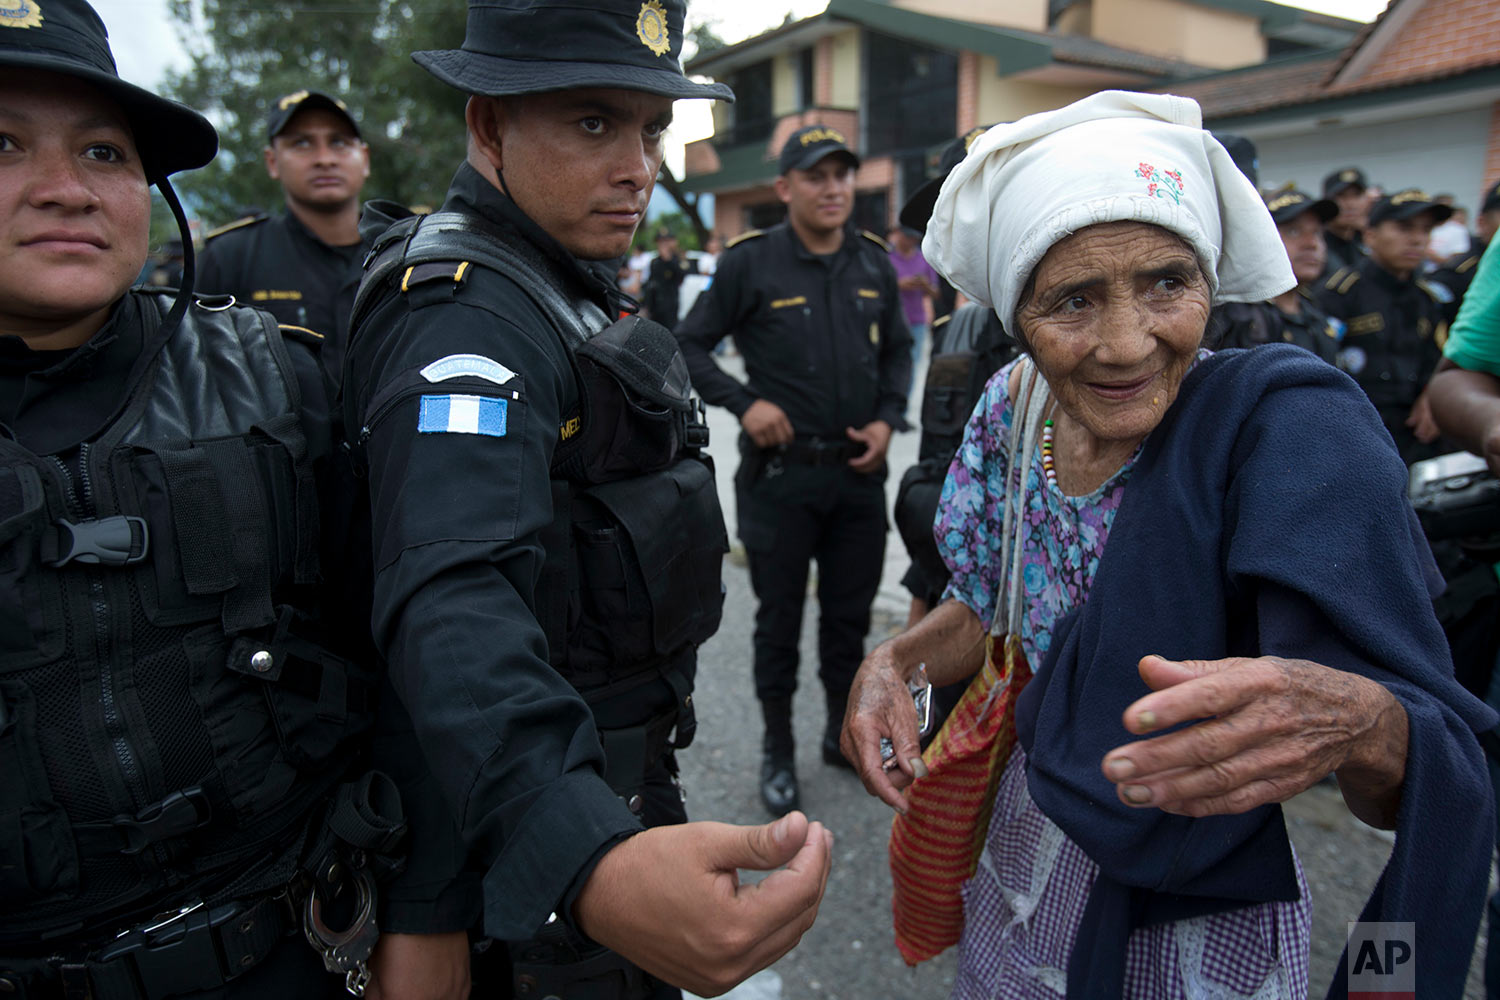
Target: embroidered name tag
(868, 293)
(462, 415)
(800, 300)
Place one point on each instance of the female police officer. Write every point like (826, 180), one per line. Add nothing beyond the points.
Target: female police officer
(170, 724)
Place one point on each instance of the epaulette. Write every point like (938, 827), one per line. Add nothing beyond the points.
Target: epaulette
(1438, 293)
(742, 237)
(1343, 279)
(302, 333)
(230, 227)
(882, 244)
(1467, 264)
(941, 320)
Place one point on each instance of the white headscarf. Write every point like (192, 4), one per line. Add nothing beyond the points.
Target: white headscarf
(1114, 156)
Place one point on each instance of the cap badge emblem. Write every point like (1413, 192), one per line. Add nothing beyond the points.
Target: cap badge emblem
(1349, 176)
(651, 27)
(20, 14)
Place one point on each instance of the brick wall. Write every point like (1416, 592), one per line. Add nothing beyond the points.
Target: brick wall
(729, 209)
(968, 92)
(823, 72)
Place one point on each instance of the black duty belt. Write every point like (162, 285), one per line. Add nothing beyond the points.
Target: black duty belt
(195, 948)
(817, 451)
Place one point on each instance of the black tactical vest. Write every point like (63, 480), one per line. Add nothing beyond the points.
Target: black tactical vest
(631, 582)
(164, 726)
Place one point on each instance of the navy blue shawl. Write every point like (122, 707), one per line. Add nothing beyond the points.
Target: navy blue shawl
(1266, 515)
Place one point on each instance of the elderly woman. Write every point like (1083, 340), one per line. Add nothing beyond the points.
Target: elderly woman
(1216, 555)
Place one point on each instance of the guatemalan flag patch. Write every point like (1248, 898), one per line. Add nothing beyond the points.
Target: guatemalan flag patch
(462, 415)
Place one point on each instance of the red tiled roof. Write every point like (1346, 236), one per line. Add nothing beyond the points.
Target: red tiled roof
(1259, 88)
(1418, 41)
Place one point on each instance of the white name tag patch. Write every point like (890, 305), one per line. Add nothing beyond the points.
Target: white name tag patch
(473, 365)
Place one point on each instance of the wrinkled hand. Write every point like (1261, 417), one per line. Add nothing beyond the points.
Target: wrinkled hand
(767, 424)
(420, 967)
(1421, 422)
(880, 706)
(875, 436)
(1270, 728)
(670, 899)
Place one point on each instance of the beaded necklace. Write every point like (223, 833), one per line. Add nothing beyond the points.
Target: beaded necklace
(1047, 466)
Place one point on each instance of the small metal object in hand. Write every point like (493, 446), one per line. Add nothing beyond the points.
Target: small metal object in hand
(921, 696)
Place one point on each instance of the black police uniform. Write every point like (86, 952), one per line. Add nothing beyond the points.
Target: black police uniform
(1342, 253)
(277, 264)
(1455, 276)
(1393, 339)
(172, 714)
(663, 291)
(1250, 324)
(502, 591)
(824, 338)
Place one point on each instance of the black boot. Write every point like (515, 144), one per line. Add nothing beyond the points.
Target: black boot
(832, 755)
(778, 772)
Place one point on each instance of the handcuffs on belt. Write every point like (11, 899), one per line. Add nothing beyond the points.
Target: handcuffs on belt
(345, 951)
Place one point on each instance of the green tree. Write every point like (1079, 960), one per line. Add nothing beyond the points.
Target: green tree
(244, 56)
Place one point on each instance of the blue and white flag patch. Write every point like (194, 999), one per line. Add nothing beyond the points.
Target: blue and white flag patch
(462, 415)
(472, 365)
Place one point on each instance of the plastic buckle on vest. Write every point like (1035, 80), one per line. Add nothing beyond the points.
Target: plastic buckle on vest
(180, 813)
(107, 541)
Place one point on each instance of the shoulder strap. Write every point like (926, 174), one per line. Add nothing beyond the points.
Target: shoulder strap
(1026, 422)
(455, 236)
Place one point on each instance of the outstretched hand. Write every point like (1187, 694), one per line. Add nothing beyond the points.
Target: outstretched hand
(670, 899)
(880, 706)
(1268, 728)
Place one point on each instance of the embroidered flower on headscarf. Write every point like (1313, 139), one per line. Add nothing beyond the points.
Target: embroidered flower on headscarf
(1163, 183)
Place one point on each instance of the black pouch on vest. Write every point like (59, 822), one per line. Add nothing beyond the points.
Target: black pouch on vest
(647, 592)
(636, 399)
(37, 855)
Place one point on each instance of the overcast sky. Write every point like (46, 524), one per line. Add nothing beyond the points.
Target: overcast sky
(145, 41)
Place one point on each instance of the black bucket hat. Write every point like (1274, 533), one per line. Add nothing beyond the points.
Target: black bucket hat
(1408, 204)
(67, 37)
(537, 46)
(918, 208)
(285, 109)
(1285, 206)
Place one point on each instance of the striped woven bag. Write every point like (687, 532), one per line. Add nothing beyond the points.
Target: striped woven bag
(936, 844)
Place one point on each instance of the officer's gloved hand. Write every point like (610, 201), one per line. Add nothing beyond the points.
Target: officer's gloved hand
(670, 899)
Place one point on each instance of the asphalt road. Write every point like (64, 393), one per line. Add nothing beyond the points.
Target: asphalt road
(849, 953)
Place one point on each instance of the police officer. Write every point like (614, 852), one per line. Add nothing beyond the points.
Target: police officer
(1344, 233)
(1292, 317)
(1393, 319)
(303, 265)
(662, 293)
(815, 310)
(547, 542)
(176, 715)
(1457, 272)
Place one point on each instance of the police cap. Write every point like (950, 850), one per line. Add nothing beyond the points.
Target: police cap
(812, 143)
(1244, 154)
(67, 36)
(286, 107)
(537, 46)
(1289, 204)
(1336, 182)
(1407, 204)
(918, 208)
